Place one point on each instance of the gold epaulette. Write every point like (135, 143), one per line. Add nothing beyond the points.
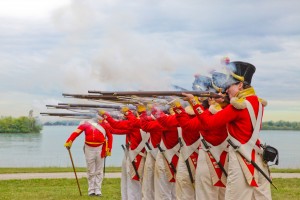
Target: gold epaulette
(214, 108)
(238, 103)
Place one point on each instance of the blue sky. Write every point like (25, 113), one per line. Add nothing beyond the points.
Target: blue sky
(62, 46)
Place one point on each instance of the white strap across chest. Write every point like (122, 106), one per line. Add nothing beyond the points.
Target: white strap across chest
(186, 151)
(134, 152)
(98, 127)
(169, 153)
(247, 148)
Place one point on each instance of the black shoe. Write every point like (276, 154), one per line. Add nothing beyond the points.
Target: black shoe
(92, 194)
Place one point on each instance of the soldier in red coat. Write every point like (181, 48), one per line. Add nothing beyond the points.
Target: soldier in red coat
(135, 152)
(243, 117)
(210, 180)
(189, 141)
(167, 157)
(98, 144)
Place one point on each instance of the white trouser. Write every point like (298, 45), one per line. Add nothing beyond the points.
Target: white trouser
(238, 188)
(148, 178)
(164, 190)
(95, 166)
(124, 179)
(184, 187)
(134, 187)
(203, 184)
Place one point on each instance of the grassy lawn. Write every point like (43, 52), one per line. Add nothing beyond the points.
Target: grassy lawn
(54, 189)
(275, 170)
(287, 189)
(65, 189)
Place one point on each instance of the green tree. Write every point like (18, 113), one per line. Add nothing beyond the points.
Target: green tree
(19, 125)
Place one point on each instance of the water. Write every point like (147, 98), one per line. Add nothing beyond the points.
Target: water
(47, 148)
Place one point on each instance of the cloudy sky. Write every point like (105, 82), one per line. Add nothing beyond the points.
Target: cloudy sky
(70, 46)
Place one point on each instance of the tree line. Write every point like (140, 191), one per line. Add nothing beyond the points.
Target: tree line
(280, 125)
(19, 125)
(63, 123)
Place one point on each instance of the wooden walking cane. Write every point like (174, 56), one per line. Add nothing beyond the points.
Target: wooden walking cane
(74, 170)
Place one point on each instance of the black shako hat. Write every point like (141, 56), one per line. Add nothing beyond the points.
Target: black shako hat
(241, 71)
(202, 83)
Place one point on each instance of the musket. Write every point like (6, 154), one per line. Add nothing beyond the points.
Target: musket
(76, 115)
(57, 106)
(163, 153)
(179, 88)
(90, 96)
(156, 93)
(106, 98)
(252, 162)
(83, 110)
(133, 165)
(76, 105)
(100, 106)
(187, 163)
(218, 162)
(75, 109)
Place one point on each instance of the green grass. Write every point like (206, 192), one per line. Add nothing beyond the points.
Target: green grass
(55, 189)
(65, 189)
(276, 170)
(52, 169)
(287, 189)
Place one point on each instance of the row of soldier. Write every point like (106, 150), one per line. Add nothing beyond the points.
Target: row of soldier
(183, 152)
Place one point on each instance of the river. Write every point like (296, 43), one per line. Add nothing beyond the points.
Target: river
(46, 149)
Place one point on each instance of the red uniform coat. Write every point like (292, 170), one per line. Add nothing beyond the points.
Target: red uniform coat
(170, 135)
(238, 124)
(238, 121)
(152, 127)
(190, 126)
(93, 137)
(131, 127)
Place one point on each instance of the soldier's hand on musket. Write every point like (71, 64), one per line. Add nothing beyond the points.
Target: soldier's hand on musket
(188, 97)
(221, 99)
(140, 108)
(211, 101)
(175, 103)
(124, 110)
(68, 144)
(102, 113)
(193, 100)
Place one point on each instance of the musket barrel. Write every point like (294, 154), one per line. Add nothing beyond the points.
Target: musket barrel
(156, 93)
(92, 96)
(67, 114)
(73, 105)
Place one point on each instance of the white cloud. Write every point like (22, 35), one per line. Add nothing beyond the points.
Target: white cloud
(30, 9)
(51, 47)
